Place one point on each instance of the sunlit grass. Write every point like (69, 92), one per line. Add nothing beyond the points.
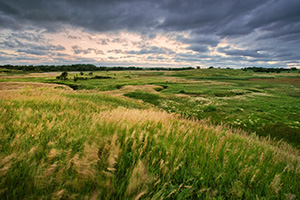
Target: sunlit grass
(73, 145)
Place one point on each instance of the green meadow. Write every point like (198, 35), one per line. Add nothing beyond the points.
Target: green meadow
(193, 134)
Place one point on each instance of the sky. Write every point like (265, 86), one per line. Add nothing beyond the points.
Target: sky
(151, 33)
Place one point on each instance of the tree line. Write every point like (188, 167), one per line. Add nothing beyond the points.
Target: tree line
(81, 67)
(269, 70)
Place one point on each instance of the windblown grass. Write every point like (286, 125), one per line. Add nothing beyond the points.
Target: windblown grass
(62, 144)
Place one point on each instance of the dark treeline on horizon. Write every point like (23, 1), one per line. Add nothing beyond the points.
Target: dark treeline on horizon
(81, 67)
(269, 70)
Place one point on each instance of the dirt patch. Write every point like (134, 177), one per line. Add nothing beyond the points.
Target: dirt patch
(20, 85)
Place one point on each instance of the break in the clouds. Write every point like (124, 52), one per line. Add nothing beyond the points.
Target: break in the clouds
(222, 33)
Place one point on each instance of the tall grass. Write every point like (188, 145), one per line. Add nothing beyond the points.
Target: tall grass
(59, 144)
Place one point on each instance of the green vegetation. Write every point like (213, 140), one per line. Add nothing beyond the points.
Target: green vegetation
(254, 106)
(63, 76)
(269, 70)
(79, 67)
(151, 134)
(146, 97)
(255, 102)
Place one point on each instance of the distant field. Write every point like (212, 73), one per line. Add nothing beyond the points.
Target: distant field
(150, 134)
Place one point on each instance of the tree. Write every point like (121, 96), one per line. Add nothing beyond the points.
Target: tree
(63, 76)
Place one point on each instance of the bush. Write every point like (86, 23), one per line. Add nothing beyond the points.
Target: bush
(80, 78)
(158, 89)
(102, 77)
(119, 86)
(63, 76)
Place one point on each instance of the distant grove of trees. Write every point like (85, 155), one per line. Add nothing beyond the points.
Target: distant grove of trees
(269, 70)
(81, 67)
(90, 67)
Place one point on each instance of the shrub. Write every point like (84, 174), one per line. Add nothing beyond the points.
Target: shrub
(102, 77)
(63, 76)
(158, 89)
(119, 86)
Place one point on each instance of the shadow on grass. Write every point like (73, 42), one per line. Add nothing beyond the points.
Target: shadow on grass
(146, 97)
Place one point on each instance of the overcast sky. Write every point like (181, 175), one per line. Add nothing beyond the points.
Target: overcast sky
(146, 33)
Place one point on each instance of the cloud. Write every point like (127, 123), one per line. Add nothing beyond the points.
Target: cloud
(238, 52)
(78, 50)
(28, 36)
(209, 40)
(151, 58)
(101, 41)
(200, 25)
(220, 17)
(198, 48)
(33, 52)
(152, 50)
(116, 51)
(29, 40)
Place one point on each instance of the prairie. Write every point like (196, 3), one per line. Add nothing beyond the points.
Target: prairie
(264, 103)
(208, 134)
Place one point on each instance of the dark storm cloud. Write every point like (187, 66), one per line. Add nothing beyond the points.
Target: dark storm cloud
(221, 17)
(90, 14)
(200, 39)
(207, 22)
(283, 16)
(238, 52)
(198, 48)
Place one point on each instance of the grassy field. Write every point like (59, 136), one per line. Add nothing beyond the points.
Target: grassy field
(264, 103)
(144, 135)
